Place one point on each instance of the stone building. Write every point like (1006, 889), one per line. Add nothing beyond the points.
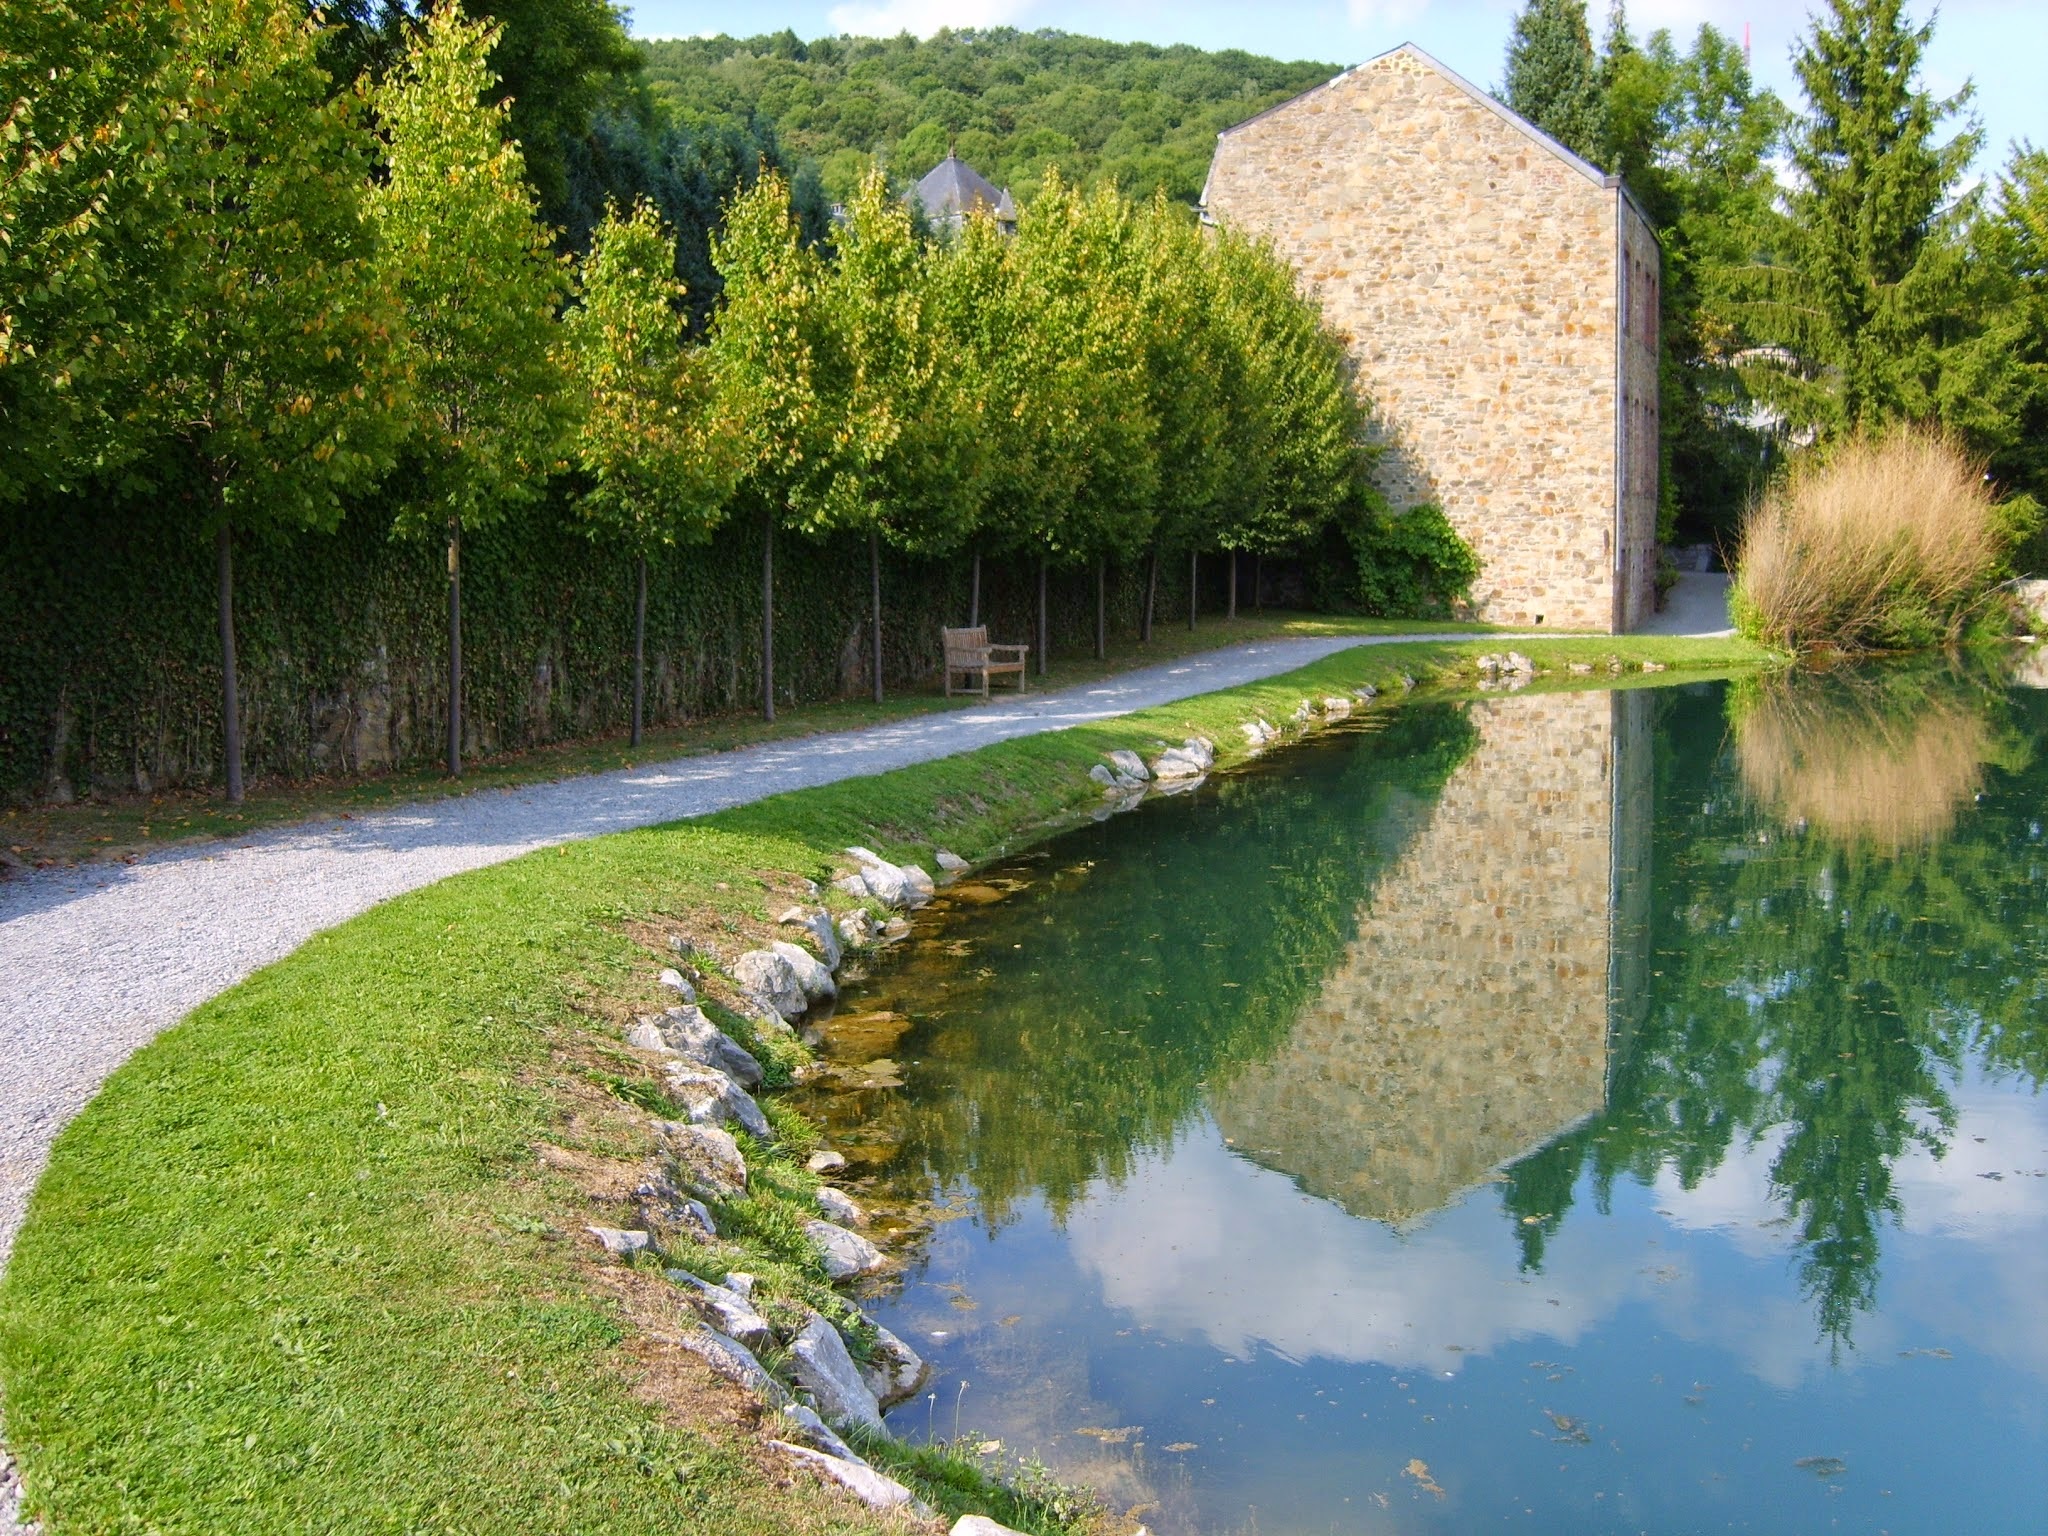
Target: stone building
(1499, 972)
(1498, 296)
(953, 189)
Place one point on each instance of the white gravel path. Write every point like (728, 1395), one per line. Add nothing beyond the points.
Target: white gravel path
(95, 960)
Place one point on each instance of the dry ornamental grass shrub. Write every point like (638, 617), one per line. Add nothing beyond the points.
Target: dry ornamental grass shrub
(1883, 543)
(1843, 758)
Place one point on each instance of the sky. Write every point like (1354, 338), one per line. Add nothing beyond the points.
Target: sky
(2001, 45)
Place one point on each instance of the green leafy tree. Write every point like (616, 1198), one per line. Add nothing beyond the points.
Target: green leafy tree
(461, 247)
(773, 345)
(655, 440)
(905, 455)
(1552, 78)
(256, 345)
(1873, 271)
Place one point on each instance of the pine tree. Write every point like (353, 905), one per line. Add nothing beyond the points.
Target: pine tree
(1874, 272)
(1552, 79)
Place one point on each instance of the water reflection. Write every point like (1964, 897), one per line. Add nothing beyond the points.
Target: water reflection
(1530, 1063)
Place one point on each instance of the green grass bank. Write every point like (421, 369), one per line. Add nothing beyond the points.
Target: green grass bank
(313, 1260)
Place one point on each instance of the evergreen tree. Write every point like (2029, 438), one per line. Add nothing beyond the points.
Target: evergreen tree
(1873, 272)
(472, 268)
(1552, 79)
(655, 440)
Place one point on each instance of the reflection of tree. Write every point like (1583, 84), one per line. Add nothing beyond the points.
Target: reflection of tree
(1813, 988)
(1080, 1020)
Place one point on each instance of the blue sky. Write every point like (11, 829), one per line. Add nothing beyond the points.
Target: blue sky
(2000, 44)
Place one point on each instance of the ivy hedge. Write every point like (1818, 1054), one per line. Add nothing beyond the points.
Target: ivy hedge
(112, 678)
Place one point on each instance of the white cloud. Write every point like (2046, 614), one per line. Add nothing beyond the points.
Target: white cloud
(922, 17)
(1374, 14)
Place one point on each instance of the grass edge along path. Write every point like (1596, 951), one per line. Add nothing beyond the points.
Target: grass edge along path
(313, 1259)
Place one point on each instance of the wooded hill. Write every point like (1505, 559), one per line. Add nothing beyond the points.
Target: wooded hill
(1011, 103)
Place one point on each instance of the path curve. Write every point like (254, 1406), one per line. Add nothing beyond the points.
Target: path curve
(95, 960)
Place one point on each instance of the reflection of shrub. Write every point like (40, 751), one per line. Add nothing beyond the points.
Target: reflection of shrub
(1868, 760)
(1410, 565)
(1886, 543)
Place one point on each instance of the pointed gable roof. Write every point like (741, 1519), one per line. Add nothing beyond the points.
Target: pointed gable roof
(952, 189)
(1506, 114)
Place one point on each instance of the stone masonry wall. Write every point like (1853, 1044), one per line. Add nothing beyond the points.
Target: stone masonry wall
(1468, 1022)
(1473, 272)
(1641, 461)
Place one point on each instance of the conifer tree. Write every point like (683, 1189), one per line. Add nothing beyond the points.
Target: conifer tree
(1873, 267)
(1552, 79)
(471, 266)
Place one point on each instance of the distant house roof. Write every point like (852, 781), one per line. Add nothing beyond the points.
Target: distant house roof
(953, 189)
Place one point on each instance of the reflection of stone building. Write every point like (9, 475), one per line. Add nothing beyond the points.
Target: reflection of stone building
(1497, 970)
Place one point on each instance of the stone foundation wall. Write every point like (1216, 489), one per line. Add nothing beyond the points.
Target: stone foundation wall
(1475, 274)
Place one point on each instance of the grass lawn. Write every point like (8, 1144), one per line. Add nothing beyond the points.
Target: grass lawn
(313, 1260)
(118, 826)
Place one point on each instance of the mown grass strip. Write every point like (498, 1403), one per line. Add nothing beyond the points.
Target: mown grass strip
(298, 1268)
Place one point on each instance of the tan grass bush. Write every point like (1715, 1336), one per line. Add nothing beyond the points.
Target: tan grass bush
(1827, 753)
(1881, 543)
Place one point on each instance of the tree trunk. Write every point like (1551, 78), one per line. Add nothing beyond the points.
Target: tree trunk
(768, 616)
(974, 594)
(1101, 610)
(1259, 583)
(455, 647)
(1044, 627)
(230, 705)
(1194, 576)
(875, 597)
(1151, 591)
(639, 645)
(1232, 613)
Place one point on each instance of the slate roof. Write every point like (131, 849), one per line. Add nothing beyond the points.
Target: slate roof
(953, 189)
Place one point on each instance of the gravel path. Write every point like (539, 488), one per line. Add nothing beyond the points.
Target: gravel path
(96, 959)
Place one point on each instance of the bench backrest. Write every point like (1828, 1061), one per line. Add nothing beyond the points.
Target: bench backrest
(965, 642)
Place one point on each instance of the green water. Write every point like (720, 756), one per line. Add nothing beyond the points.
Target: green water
(1573, 1112)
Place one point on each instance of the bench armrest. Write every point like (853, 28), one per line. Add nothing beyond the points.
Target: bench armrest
(1021, 650)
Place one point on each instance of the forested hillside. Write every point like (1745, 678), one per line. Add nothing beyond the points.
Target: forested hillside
(1013, 103)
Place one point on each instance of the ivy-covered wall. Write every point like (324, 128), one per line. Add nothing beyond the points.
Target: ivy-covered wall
(110, 668)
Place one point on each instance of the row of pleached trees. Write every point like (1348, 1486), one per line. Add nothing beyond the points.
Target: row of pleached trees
(222, 271)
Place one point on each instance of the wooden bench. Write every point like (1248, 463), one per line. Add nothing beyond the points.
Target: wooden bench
(968, 652)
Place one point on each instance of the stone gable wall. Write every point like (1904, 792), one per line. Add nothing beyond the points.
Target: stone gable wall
(1475, 277)
(1468, 1022)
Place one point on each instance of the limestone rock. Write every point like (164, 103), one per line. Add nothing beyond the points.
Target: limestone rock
(731, 1313)
(817, 922)
(895, 931)
(1366, 694)
(742, 1282)
(922, 888)
(807, 1428)
(821, 1366)
(886, 884)
(686, 1031)
(623, 1245)
(837, 1205)
(1653, 666)
(1129, 765)
(980, 1525)
(846, 1253)
(855, 886)
(1259, 734)
(734, 1361)
(768, 974)
(896, 1371)
(1302, 711)
(825, 1160)
(1581, 668)
(858, 928)
(810, 972)
(1336, 708)
(708, 1097)
(668, 1213)
(1518, 664)
(1177, 763)
(872, 1488)
(1101, 774)
(951, 863)
(646, 1036)
(676, 981)
(707, 1160)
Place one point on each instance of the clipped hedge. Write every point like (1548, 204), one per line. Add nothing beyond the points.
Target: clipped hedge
(112, 673)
